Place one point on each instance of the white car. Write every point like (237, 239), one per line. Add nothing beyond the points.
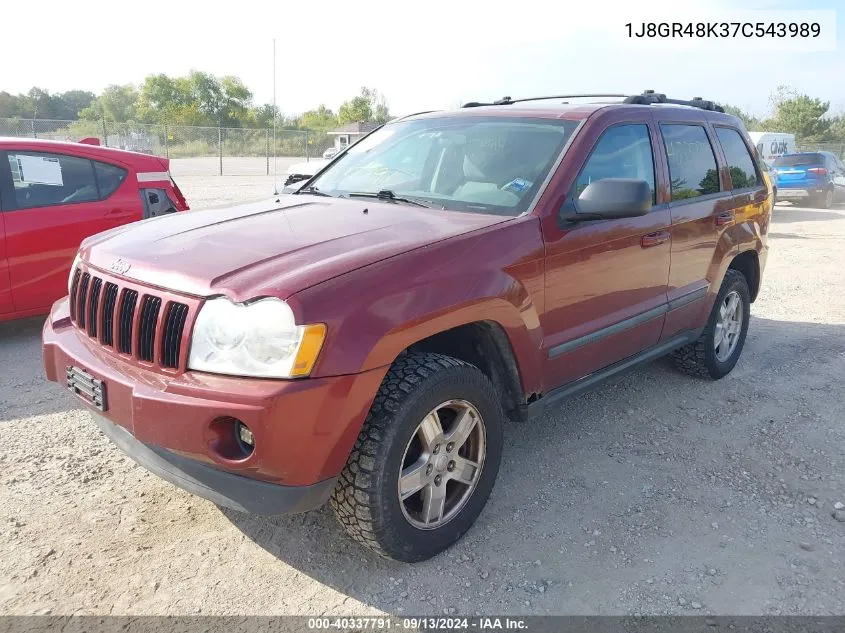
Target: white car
(331, 152)
(300, 172)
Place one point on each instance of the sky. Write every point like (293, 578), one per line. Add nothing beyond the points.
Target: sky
(420, 55)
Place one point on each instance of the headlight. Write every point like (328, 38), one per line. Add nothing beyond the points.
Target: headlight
(70, 276)
(259, 339)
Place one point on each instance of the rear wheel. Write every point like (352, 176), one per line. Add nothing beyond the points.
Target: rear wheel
(717, 350)
(425, 461)
(825, 200)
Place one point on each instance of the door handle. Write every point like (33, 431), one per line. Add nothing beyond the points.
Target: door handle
(653, 239)
(724, 218)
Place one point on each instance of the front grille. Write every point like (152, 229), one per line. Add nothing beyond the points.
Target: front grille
(126, 320)
(93, 305)
(109, 302)
(74, 286)
(174, 325)
(83, 296)
(148, 326)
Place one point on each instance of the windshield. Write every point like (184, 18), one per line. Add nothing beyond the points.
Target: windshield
(793, 160)
(471, 163)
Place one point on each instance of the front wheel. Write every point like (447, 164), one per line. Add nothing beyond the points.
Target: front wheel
(425, 461)
(717, 350)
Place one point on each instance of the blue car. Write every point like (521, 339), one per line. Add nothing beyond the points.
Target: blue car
(813, 178)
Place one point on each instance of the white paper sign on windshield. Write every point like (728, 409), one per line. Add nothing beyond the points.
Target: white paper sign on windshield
(40, 170)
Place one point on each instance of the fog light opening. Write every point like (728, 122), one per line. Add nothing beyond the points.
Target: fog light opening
(245, 438)
(230, 439)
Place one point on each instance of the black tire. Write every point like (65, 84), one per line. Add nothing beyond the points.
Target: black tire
(699, 358)
(824, 201)
(366, 500)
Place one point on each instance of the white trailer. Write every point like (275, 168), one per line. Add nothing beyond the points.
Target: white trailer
(770, 145)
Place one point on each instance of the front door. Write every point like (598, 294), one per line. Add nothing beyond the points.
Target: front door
(57, 201)
(606, 279)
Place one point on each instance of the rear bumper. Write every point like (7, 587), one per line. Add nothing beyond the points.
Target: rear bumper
(225, 489)
(795, 193)
(304, 429)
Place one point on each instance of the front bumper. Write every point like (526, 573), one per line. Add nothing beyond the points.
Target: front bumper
(225, 489)
(304, 429)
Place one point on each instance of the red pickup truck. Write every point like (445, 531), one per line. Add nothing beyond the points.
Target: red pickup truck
(366, 339)
(55, 194)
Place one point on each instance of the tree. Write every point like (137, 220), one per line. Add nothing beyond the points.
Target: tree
(322, 119)
(749, 121)
(163, 99)
(800, 115)
(837, 128)
(262, 116)
(69, 104)
(224, 101)
(369, 106)
(117, 103)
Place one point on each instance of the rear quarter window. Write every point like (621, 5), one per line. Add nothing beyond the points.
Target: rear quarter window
(741, 165)
(109, 178)
(693, 171)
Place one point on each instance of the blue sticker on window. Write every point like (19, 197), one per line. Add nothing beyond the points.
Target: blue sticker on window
(517, 185)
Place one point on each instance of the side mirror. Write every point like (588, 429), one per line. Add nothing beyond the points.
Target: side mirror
(610, 199)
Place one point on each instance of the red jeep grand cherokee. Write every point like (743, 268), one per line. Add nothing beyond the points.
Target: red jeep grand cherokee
(366, 339)
(55, 194)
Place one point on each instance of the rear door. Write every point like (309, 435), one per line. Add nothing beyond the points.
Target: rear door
(701, 206)
(57, 200)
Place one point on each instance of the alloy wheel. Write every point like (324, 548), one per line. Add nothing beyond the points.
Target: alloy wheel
(728, 326)
(442, 464)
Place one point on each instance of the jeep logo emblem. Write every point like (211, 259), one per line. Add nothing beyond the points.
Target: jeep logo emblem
(120, 266)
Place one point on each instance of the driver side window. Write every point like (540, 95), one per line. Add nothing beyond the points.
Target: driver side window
(46, 180)
(623, 151)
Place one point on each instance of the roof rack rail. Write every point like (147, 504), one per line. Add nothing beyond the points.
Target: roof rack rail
(509, 101)
(648, 97)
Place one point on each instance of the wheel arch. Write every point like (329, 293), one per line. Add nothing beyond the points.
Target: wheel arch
(484, 344)
(748, 264)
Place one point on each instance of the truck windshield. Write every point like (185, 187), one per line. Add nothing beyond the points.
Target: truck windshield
(473, 163)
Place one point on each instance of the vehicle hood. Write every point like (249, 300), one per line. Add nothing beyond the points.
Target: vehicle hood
(270, 248)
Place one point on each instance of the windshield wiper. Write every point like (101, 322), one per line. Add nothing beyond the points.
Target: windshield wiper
(313, 191)
(387, 194)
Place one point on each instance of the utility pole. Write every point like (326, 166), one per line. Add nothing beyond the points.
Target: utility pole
(275, 169)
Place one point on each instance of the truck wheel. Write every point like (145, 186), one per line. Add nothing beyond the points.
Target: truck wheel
(425, 461)
(718, 349)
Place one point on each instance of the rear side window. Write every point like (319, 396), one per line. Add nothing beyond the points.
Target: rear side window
(740, 163)
(109, 178)
(44, 180)
(795, 160)
(623, 151)
(693, 171)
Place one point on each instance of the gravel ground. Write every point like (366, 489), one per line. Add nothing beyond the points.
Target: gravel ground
(654, 493)
(243, 179)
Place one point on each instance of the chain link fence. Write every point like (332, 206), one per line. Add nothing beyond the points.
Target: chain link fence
(837, 148)
(196, 150)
